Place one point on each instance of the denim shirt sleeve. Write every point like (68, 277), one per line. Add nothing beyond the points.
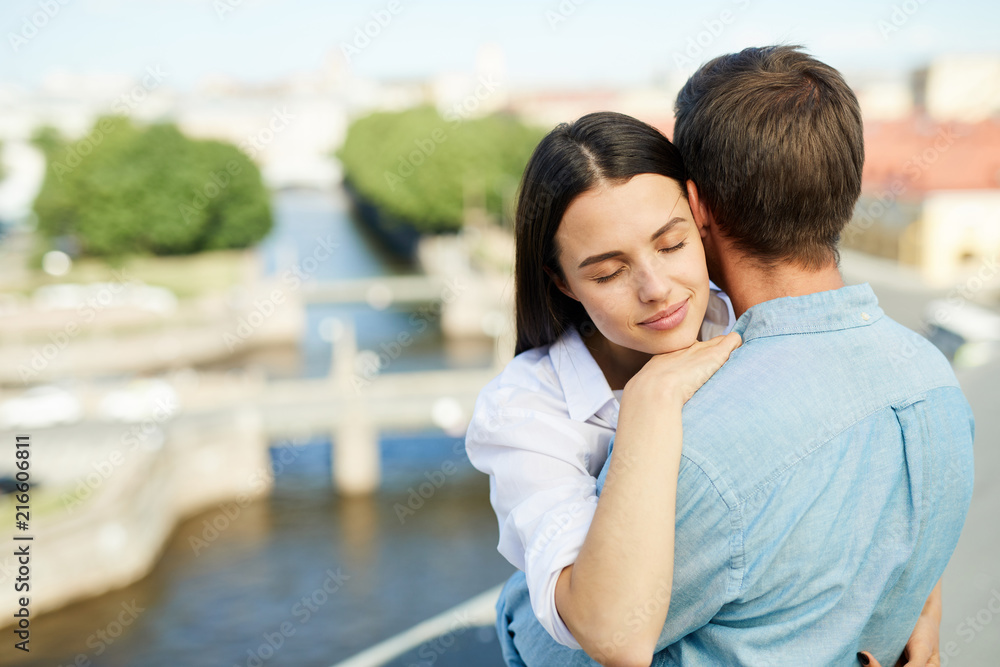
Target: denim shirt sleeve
(708, 549)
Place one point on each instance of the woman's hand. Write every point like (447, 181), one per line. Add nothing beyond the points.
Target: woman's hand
(922, 649)
(675, 376)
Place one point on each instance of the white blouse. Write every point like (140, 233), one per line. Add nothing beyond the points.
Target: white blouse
(541, 431)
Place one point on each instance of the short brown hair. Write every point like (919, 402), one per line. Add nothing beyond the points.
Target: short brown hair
(773, 139)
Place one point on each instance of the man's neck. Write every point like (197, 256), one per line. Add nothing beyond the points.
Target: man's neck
(747, 283)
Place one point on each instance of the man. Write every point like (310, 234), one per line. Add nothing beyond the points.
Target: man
(827, 466)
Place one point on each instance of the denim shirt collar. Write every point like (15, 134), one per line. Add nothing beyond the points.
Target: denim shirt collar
(832, 310)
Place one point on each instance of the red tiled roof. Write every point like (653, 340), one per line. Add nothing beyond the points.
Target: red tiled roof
(918, 155)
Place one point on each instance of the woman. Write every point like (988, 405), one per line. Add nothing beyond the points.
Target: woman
(617, 325)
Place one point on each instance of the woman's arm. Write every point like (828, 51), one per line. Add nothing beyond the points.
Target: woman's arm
(614, 598)
(543, 468)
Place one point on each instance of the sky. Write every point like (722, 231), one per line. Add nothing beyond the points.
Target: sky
(544, 42)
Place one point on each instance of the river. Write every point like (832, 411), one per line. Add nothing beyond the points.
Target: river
(305, 577)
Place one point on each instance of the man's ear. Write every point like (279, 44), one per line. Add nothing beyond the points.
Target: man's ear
(560, 283)
(702, 216)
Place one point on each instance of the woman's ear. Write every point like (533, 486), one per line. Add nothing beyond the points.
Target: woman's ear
(560, 283)
(701, 214)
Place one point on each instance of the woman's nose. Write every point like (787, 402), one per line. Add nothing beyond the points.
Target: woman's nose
(651, 285)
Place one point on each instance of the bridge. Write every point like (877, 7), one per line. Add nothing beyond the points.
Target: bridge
(379, 292)
(352, 404)
(116, 484)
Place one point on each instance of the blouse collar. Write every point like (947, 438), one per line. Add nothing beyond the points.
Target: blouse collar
(583, 382)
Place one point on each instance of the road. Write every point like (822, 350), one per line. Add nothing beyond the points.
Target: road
(970, 629)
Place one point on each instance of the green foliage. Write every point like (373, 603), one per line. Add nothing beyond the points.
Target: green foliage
(124, 190)
(424, 169)
(48, 140)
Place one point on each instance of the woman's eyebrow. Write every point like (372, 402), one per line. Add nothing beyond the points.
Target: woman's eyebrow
(665, 228)
(594, 259)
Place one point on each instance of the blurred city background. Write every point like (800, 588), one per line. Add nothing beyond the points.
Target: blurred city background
(255, 263)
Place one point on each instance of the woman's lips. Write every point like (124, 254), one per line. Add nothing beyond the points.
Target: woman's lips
(669, 318)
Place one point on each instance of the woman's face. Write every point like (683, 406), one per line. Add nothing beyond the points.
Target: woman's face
(632, 255)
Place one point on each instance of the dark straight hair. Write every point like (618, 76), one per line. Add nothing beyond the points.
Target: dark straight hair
(598, 149)
(773, 139)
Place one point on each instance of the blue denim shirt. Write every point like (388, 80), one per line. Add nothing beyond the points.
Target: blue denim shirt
(825, 478)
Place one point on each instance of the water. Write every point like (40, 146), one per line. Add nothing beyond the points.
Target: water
(307, 221)
(214, 606)
(306, 577)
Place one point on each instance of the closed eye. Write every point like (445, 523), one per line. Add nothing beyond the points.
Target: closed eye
(604, 279)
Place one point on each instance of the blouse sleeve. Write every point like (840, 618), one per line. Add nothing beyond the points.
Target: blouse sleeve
(541, 488)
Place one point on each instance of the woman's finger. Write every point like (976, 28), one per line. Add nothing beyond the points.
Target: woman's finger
(867, 659)
(922, 656)
(732, 340)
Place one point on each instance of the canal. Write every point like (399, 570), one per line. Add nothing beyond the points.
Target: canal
(305, 577)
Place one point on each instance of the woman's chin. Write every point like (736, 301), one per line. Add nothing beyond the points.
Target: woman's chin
(670, 344)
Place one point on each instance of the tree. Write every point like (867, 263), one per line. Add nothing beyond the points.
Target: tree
(123, 189)
(422, 168)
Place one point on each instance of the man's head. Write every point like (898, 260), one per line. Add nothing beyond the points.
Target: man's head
(772, 138)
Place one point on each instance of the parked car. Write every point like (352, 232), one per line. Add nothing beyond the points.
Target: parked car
(968, 334)
(40, 407)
